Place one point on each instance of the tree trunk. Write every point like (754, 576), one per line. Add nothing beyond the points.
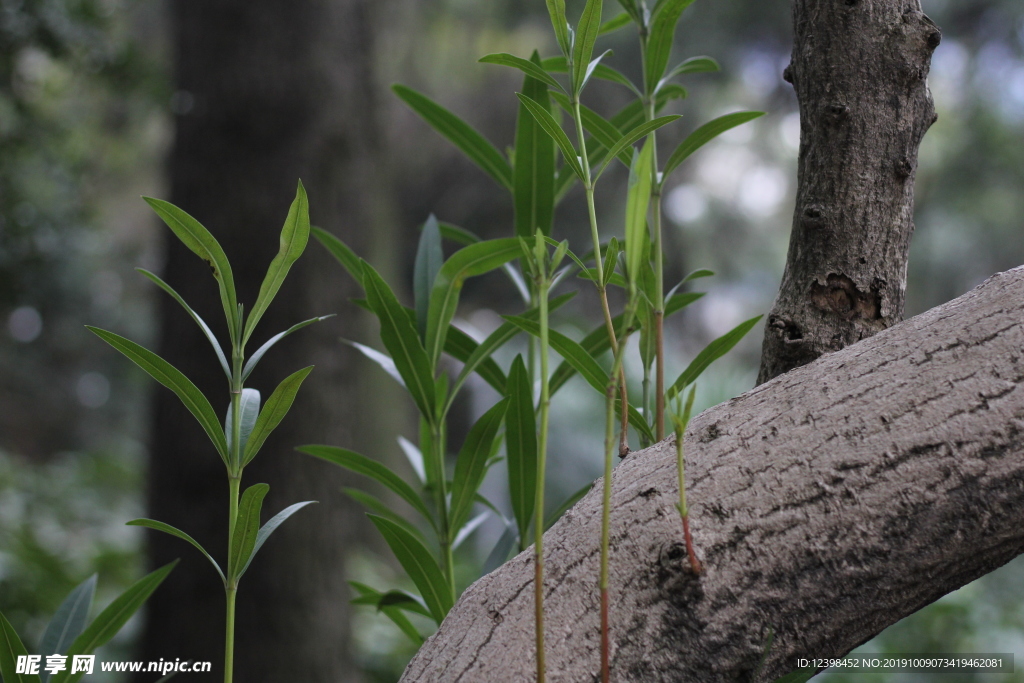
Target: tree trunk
(826, 505)
(859, 68)
(268, 93)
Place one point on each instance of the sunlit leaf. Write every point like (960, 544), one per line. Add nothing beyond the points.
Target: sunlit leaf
(705, 134)
(277, 406)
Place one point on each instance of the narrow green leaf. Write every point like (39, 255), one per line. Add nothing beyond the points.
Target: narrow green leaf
(712, 352)
(677, 302)
(586, 35)
(247, 526)
(170, 377)
(392, 612)
(700, 272)
(419, 564)
(556, 10)
(483, 352)
(168, 529)
(10, 649)
(693, 65)
(705, 134)
(560, 65)
(569, 350)
(621, 20)
(458, 234)
(564, 507)
(502, 549)
(197, 238)
(602, 130)
(543, 116)
(468, 528)
(277, 406)
(521, 444)
(470, 261)
(381, 359)
(360, 464)
(471, 464)
(68, 622)
(398, 333)
(531, 69)
(415, 457)
(659, 42)
(294, 236)
(638, 200)
(250, 365)
(250, 408)
(378, 507)
(341, 251)
(534, 170)
(195, 316)
(462, 135)
(462, 347)
(595, 63)
(270, 527)
(632, 136)
(106, 625)
(429, 258)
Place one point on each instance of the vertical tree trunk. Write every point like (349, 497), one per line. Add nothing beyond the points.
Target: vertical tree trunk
(269, 92)
(859, 68)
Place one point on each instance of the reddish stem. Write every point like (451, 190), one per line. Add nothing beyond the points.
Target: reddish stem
(695, 564)
(605, 642)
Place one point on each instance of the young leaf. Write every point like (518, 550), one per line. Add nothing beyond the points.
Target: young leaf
(294, 236)
(677, 302)
(712, 352)
(521, 442)
(632, 136)
(68, 622)
(250, 365)
(429, 258)
(700, 272)
(595, 63)
(621, 20)
(270, 527)
(470, 261)
(352, 264)
(249, 408)
(543, 116)
(693, 65)
(360, 464)
(471, 464)
(377, 507)
(168, 529)
(570, 350)
(586, 35)
(277, 406)
(419, 564)
(533, 173)
(638, 200)
(659, 43)
(459, 133)
(704, 134)
(398, 333)
(106, 625)
(247, 525)
(171, 377)
(195, 316)
(482, 354)
(10, 649)
(556, 10)
(197, 238)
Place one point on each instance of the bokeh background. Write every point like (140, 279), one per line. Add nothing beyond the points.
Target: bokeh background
(89, 109)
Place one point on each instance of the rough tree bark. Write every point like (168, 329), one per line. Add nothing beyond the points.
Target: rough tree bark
(278, 91)
(859, 68)
(826, 505)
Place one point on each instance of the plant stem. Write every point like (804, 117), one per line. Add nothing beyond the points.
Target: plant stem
(606, 506)
(659, 309)
(684, 512)
(444, 538)
(542, 453)
(229, 636)
(234, 484)
(602, 291)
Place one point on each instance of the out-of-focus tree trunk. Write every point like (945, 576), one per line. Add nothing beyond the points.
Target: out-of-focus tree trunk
(268, 92)
(859, 69)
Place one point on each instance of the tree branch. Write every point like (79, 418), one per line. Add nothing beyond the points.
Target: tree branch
(826, 505)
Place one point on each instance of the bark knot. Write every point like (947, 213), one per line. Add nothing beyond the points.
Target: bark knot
(840, 295)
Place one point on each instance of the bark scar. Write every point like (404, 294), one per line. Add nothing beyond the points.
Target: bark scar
(841, 296)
